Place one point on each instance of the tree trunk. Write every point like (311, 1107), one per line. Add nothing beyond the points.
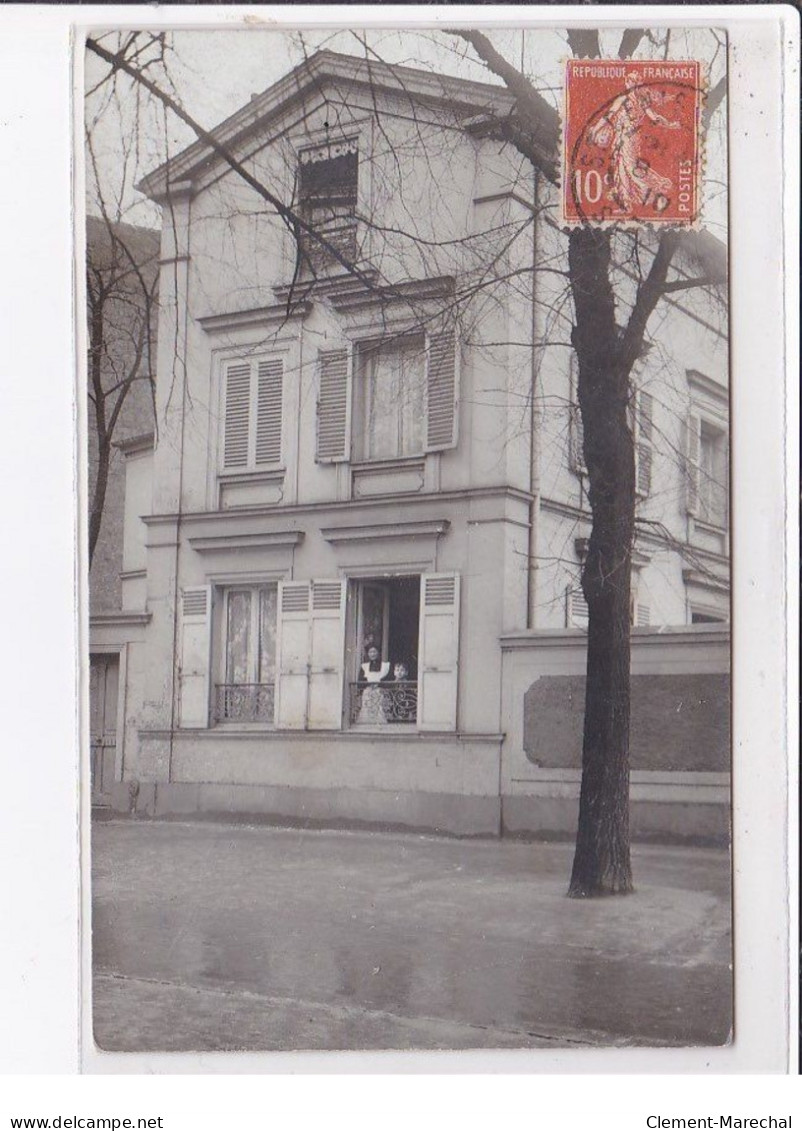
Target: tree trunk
(602, 859)
(99, 496)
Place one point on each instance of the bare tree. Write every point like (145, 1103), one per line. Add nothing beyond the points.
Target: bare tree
(606, 352)
(121, 283)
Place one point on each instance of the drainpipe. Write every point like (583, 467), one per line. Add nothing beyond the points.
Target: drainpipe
(534, 427)
(182, 259)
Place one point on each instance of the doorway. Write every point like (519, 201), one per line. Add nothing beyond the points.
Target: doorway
(104, 679)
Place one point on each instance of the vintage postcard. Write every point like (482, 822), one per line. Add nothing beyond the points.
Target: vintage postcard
(410, 534)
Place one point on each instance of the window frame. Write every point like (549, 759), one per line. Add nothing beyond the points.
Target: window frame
(325, 264)
(359, 409)
(718, 432)
(220, 646)
(253, 360)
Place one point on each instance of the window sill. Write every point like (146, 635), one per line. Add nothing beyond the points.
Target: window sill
(396, 463)
(255, 475)
(710, 527)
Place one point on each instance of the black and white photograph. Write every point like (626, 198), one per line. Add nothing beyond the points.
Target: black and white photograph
(411, 534)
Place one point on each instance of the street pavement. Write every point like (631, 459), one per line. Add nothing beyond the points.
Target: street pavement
(233, 937)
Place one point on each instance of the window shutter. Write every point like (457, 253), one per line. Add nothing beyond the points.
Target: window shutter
(576, 608)
(576, 438)
(333, 406)
(237, 415)
(693, 429)
(642, 615)
(196, 608)
(441, 392)
(438, 649)
(327, 655)
(292, 654)
(643, 432)
(269, 382)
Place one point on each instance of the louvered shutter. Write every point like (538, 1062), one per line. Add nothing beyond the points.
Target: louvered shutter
(292, 654)
(644, 411)
(576, 438)
(269, 381)
(333, 406)
(438, 651)
(642, 615)
(441, 392)
(693, 429)
(236, 433)
(327, 655)
(577, 614)
(196, 609)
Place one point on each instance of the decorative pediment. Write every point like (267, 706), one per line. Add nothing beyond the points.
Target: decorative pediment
(261, 540)
(385, 531)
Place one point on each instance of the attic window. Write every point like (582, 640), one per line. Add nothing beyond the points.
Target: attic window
(328, 180)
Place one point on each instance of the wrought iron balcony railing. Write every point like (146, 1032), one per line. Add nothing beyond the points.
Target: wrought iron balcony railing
(380, 704)
(245, 702)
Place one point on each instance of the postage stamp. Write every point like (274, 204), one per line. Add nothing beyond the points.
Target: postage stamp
(631, 142)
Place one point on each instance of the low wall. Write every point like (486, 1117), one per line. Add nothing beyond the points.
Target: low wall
(679, 743)
(441, 783)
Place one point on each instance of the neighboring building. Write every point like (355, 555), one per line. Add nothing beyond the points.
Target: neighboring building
(344, 462)
(116, 283)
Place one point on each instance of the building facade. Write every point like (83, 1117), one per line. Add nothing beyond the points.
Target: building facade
(365, 516)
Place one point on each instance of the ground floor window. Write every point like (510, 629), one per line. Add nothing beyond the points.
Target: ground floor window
(385, 625)
(321, 654)
(246, 692)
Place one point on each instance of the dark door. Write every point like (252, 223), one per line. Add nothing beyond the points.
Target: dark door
(104, 672)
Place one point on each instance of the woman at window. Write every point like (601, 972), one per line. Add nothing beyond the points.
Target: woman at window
(373, 672)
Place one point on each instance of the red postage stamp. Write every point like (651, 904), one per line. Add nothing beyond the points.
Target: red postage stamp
(631, 142)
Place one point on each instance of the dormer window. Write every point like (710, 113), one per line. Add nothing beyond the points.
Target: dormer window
(327, 190)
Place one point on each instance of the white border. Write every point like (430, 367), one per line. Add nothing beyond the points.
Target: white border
(40, 988)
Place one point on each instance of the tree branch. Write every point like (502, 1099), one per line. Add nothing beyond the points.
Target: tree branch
(649, 293)
(689, 284)
(713, 101)
(629, 41)
(541, 135)
(295, 222)
(584, 42)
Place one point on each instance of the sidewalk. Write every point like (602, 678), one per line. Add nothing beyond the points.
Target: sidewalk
(211, 936)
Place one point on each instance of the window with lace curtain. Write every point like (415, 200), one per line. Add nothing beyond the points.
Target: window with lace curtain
(390, 398)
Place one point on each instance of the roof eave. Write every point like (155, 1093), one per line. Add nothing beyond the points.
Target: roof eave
(434, 88)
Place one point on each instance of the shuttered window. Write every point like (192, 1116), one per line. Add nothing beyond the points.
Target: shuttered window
(642, 435)
(252, 414)
(334, 383)
(441, 389)
(194, 655)
(400, 393)
(576, 608)
(438, 651)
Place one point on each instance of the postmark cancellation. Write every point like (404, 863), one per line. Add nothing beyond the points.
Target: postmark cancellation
(631, 142)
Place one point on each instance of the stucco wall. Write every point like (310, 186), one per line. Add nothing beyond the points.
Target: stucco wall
(678, 722)
(680, 748)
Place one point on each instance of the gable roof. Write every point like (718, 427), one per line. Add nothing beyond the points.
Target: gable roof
(476, 102)
(464, 96)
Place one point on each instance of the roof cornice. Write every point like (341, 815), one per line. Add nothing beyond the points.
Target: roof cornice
(464, 95)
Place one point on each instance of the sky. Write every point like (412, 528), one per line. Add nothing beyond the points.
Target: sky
(214, 72)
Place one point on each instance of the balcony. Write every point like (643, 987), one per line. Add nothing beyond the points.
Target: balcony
(245, 702)
(383, 704)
